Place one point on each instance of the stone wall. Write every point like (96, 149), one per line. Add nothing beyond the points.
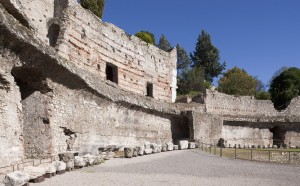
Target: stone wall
(205, 128)
(95, 120)
(93, 45)
(246, 134)
(11, 140)
(220, 103)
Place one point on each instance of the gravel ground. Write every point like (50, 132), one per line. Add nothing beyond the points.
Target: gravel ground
(189, 167)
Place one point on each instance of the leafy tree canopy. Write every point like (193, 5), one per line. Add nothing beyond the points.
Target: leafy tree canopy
(96, 6)
(192, 80)
(183, 60)
(164, 44)
(146, 36)
(206, 56)
(237, 81)
(284, 87)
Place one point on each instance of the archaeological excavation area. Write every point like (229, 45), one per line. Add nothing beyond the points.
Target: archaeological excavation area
(82, 91)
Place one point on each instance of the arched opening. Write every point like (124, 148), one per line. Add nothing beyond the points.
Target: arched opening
(53, 33)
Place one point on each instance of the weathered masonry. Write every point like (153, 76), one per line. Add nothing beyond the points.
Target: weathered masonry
(65, 75)
(67, 80)
(246, 121)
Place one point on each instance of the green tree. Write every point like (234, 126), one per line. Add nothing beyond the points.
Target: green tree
(183, 60)
(261, 92)
(164, 44)
(146, 36)
(206, 56)
(96, 6)
(237, 81)
(192, 80)
(284, 87)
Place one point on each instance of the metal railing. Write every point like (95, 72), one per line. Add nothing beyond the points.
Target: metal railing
(288, 156)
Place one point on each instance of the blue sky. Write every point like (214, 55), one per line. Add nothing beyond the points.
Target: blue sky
(260, 36)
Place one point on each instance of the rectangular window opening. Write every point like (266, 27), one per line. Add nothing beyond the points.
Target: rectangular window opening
(149, 89)
(112, 73)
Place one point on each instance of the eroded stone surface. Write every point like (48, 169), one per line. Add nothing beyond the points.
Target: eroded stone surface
(17, 178)
(59, 165)
(183, 144)
(34, 172)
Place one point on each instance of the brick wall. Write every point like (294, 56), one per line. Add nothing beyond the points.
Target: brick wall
(92, 44)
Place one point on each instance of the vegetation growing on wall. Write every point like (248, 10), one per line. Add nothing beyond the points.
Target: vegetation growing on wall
(96, 6)
(146, 36)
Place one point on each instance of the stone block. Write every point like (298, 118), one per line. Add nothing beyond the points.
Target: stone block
(147, 151)
(67, 156)
(192, 145)
(16, 178)
(164, 148)
(135, 152)
(154, 148)
(70, 165)
(37, 180)
(128, 152)
(98, 160)
(147, 145)
(48, 167)
(34, 172)
(183, 144)
(79, 162)
(170, 146)
(59, 165)
(274, 147)
(175, 147)
(140, 150)
(89, 159)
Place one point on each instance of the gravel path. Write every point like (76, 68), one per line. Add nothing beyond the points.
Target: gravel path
(189, 167)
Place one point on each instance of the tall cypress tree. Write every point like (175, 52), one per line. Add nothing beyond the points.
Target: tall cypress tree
(164, 44)
(206, 56)
(183, 60)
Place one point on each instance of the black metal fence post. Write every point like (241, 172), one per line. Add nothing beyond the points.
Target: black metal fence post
(289, 157)
(235, 152)
(269, 155)
(221, 152)
(251, 154)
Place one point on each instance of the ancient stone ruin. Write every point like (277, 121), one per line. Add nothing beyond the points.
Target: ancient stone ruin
(69, 81)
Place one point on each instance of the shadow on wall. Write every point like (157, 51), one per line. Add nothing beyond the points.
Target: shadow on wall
(278, 136)
(29, 80)
(180, 128)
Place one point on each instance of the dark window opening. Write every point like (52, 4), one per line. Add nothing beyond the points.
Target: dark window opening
(53, 33)
(149, 89)
(112, 73)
